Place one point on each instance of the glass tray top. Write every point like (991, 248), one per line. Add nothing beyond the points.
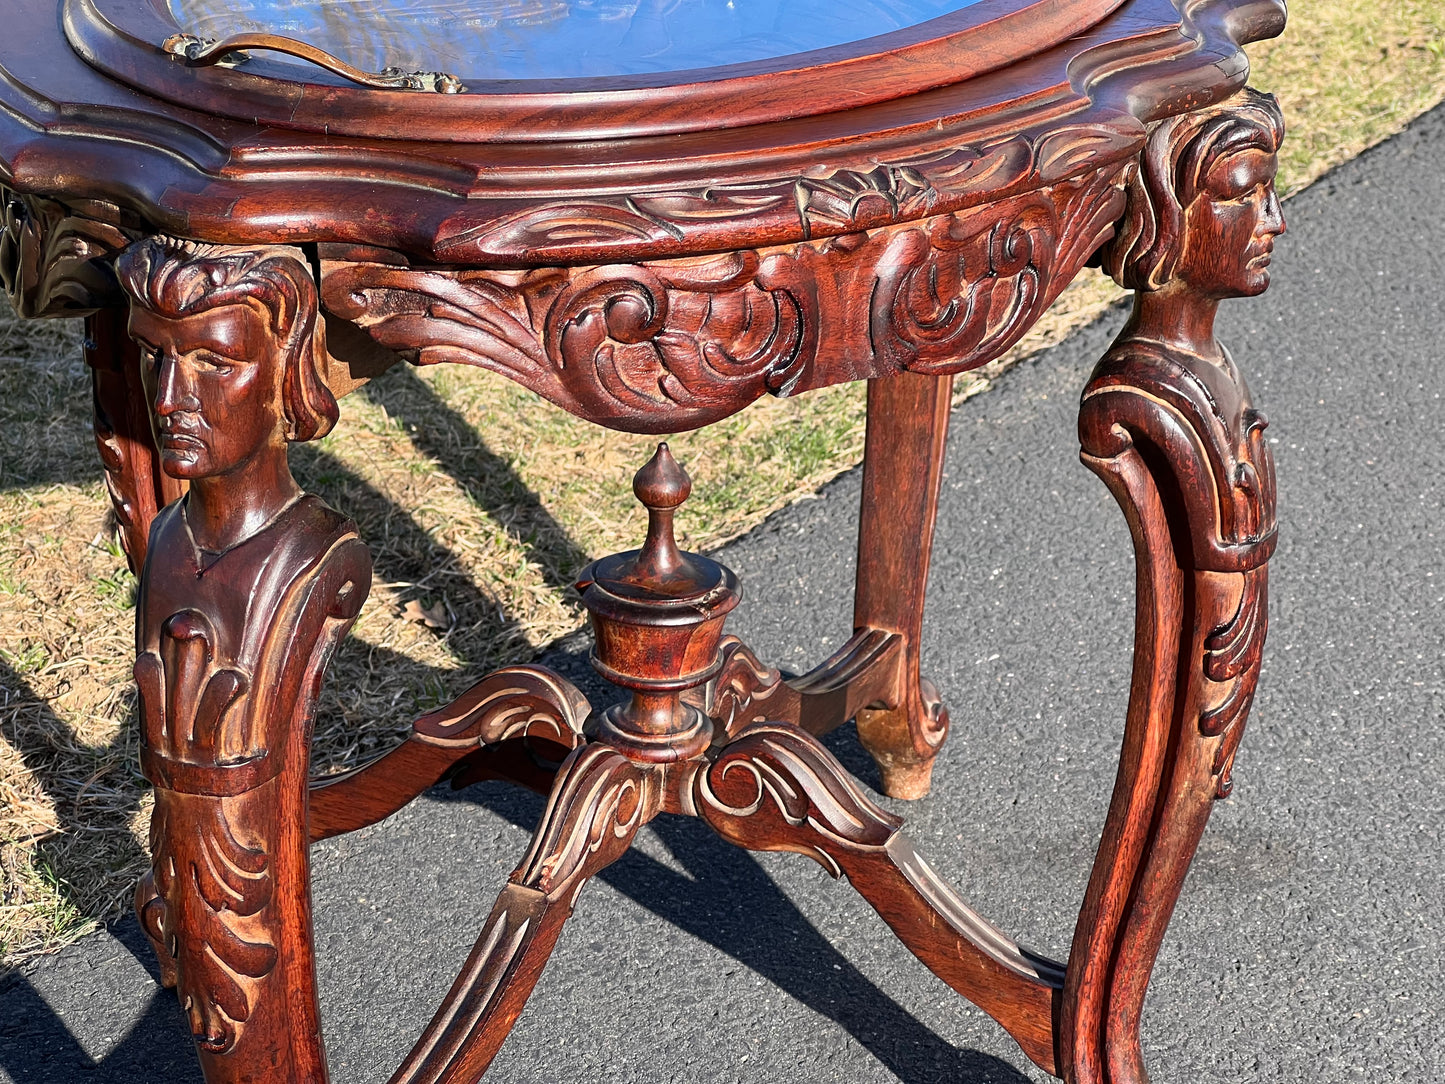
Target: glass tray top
(558, 39)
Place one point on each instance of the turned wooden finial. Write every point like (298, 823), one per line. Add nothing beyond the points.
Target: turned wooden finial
(662, 485)
(657, 614)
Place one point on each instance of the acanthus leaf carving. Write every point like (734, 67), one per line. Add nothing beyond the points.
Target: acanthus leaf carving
(676, 344)
(186, 700)
(218, 887)
(1232, 655)
(822, 201)
(53, 260)
(744, 690)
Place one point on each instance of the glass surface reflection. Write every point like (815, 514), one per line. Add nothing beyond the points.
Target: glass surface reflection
(558, 39)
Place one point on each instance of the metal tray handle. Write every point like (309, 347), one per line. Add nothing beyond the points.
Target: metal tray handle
(206, 52)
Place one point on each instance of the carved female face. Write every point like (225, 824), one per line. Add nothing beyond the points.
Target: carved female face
(214, 379)
(1231, 224)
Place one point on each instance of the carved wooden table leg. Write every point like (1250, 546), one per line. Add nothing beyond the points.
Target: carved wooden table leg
(248, 587)
(1166, 421)
(902, 471)
(133, 476)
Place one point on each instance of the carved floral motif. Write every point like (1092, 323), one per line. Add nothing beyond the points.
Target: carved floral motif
(52, 260)
(824, 201)
(675, 344)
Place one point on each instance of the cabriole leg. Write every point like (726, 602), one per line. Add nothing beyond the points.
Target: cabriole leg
(1167, 422)
(902, 471)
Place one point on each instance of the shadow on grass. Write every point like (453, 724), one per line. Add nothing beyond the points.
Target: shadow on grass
(725, 899)
(64, 767)
(437, 430)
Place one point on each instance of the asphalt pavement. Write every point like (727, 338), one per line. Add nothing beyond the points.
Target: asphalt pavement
(1307, 943)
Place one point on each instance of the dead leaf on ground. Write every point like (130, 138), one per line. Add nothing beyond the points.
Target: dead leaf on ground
(434, 616)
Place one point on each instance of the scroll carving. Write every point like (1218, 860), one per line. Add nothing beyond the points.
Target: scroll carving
(53, 259)
(1167, 422)
(824, 201)
(1232, 656)
(600, 801)
(590, 824)
(248, 587)
(515, 724)
(774, 788)
(673, 344)
(514, 702)
(745, 691)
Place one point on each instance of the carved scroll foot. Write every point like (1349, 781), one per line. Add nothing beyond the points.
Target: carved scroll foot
(904, 741)
(601, 799)
(775, 788)
(902, 471)
(1167, 423)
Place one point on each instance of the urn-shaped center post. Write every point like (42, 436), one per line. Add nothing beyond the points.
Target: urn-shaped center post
(657, 616)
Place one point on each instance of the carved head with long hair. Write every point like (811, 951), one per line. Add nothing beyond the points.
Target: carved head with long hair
(1201, 205)
(187, 282)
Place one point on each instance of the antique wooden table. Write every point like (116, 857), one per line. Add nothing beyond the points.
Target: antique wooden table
(651, 213)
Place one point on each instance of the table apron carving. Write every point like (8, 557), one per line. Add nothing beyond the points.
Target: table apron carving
(676, 344)
(900, 241)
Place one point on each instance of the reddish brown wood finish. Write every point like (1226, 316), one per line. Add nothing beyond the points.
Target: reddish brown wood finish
(902, 471)
(248, 587)
(775, 788)
(123, 435)
(125, 39)
(601, 799)
(517, 724)
(1076, 107)
(1166, 421)
(650, 283)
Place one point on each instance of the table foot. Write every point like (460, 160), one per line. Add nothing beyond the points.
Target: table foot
(1167, 423)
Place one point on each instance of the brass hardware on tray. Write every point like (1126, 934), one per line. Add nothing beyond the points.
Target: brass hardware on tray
(206, 52)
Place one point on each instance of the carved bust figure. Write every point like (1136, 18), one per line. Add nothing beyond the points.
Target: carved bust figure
(248, 586)
(1201, 220)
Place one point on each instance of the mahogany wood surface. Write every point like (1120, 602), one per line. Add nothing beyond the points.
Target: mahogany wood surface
(902, 473)
(120, 37)
(238, 276)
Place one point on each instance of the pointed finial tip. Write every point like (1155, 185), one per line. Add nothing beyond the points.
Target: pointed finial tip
(662, 483)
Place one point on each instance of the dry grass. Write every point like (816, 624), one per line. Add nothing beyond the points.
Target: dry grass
(1350, 74)
(479, 501)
